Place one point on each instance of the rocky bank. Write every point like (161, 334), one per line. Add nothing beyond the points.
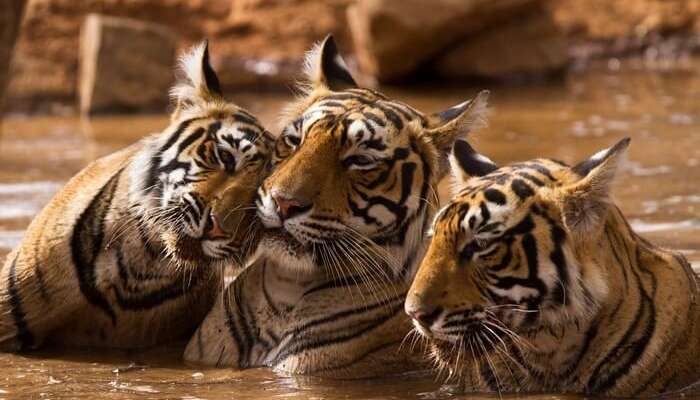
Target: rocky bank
(260, 43)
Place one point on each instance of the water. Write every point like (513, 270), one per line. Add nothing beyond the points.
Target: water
(658, 190)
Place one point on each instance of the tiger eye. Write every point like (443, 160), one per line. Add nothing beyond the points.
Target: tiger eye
(228, 160)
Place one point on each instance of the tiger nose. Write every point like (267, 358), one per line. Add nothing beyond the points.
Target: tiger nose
(289, 208)
(424, 314)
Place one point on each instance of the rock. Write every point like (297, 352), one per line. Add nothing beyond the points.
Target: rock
(528, 45)
(261, 42)
(393, 38)
(125, 65)
(260, 35)
(609, 20)
(45, 67)
(10, 19)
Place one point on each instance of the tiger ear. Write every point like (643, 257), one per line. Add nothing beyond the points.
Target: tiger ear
(586, 202)
(326, 68)
(199, 83)
(455, 123)
(465, 163)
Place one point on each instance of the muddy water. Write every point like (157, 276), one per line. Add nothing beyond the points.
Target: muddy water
(659, 191)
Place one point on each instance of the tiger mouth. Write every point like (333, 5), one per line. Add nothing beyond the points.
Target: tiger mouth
(281, 236)
(189, 249)
(475, 335)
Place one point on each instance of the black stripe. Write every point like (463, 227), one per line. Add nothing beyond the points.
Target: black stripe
(176, 135)
(530, 178)
(146, 300)
(244, 116)
(590, 335)
(238, 339)
(268, 299)
(505, 260)
(86, 244)
(635, 340)
(249, 331)
(175, 163)
(521, 189)
(24, 335)
(557, 257)
(398, 108)
(233, 331)
(346, 313)
(213, 128)
(485, 214)
(391, 116)
(315, 342)
(152, 176)
(559, 260)
(374, 118)
(495, 196)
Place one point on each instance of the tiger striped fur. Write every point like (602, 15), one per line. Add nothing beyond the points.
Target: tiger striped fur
(534, 281)
(344, 210)
(129, 253)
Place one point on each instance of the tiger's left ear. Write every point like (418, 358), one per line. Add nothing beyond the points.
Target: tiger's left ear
(466, 163)
(446, 127)
(200, 83)
(326, 68)
(585, 203)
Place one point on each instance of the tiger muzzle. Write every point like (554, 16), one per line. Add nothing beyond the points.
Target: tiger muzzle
(231, 214)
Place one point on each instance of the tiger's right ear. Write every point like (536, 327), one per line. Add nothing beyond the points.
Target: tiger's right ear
(326, 68)
(586, 202)
(199, 84)
(445, 128)
(465, 163)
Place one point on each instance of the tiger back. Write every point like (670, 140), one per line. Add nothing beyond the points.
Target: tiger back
(344, 212)
(129, 253)
(535, 282)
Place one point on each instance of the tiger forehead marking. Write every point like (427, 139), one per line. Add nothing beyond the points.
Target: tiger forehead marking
(359, 119)
(486, 203)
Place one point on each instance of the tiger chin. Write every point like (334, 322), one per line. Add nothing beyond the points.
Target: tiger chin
(343, 212)
(534, 282)
(130, 252)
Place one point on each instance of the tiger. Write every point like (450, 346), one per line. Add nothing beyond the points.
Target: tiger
(344, 212)
(130, 252)
(534, 281)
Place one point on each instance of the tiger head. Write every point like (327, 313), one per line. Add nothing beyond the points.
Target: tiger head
(193, 185)
(355, 174)
(509, 254)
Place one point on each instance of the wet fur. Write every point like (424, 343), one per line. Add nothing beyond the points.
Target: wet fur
(118, 258)
(606, 311)
(329, 302)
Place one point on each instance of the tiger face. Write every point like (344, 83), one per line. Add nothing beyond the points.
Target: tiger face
(354, 172)
(504, 257)
(198, 178)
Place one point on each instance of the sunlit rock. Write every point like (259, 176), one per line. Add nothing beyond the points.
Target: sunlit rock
(125, 65)
(394, 38)
(530, 44)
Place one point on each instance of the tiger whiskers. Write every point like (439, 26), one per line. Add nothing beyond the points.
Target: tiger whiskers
(415, 338)
(370, 270)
